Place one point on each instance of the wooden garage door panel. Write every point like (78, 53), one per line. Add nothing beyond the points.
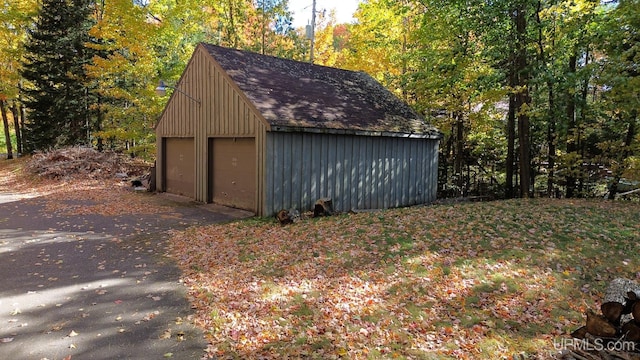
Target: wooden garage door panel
(180, 166)
(234, 170)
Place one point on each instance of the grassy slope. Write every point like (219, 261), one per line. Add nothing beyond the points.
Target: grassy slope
(481, 280)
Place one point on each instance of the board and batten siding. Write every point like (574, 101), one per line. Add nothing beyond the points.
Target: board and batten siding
(229, 114)
(356, 172)
(180, 119)
(223, 111)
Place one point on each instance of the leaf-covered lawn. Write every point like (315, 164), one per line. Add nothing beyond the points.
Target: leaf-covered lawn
(468, 281)
(481, 280)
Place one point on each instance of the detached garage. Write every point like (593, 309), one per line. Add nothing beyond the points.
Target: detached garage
(261, 133)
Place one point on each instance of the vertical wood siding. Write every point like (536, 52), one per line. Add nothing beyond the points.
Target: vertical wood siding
(357, 172)
(294, 169)
(226, 113)
(181, 118)
(223, 112)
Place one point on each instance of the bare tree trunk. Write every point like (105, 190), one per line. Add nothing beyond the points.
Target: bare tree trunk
(234, 36)
(446, 163)
(459, 150)
(262, 29)
(583, 119)
(23, 117)
(631, 133)
(551, 142)
(551, 121)
(511, 143)
(525, 155)
(5, 122)
(522, 101)
(17, 128)
(572, 145)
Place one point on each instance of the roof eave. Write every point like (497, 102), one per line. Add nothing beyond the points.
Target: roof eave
(433, 135)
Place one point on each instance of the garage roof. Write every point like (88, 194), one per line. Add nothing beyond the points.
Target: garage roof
(298, 96)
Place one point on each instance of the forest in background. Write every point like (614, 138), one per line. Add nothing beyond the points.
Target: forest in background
(535, 97)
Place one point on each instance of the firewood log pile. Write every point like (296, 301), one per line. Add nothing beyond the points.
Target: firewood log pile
(322, 207)
(84, 162)
(612, 334)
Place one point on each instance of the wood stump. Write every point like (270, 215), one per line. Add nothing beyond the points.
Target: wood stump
(323, 207)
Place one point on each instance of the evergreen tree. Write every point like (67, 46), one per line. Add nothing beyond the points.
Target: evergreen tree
(57, 96)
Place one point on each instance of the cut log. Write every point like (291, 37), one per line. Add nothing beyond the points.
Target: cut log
(598, 325)
(294, 215)
(631, 331)
(619, 288)
(622, 290)
(323, 207)
(612, 311)
(602, 337)
(630, 301)
(635, 310)
(580, 333)
(283, 217)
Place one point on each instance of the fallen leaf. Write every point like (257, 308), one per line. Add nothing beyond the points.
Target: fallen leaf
(151, 315)
(350, 268)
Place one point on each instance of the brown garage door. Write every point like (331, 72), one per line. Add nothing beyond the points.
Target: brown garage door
(233, 167)
(179, 166)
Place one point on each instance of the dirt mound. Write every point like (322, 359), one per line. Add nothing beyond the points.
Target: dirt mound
(86, 163)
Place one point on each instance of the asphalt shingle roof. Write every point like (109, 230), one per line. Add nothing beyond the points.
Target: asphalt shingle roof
(297, 95)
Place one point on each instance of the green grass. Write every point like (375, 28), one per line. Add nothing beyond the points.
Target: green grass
(3, 142)
(483, 280)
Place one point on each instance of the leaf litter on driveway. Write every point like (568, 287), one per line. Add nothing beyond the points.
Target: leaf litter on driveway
(466, 281)
(78, 253)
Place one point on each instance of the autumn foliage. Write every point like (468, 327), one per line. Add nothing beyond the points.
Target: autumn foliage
(462, 281)
(465, 281)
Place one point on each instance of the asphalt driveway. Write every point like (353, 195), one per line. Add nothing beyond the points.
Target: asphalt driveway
(95, 286)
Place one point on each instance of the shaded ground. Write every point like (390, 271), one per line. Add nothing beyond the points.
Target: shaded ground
(95, 284)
